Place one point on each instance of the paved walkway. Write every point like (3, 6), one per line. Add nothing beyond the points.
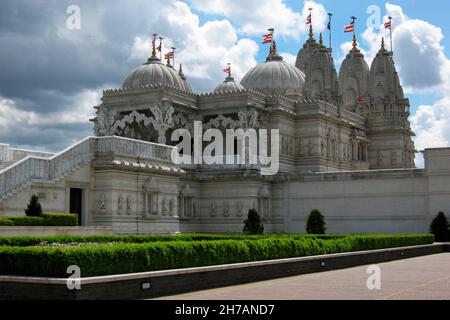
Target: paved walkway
(418, 278)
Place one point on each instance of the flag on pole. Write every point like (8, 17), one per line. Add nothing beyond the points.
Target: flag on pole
(227, 70)
(169, 55)
(309, 19)
(388, 25)
(268, 38)
(329, 25)
(361, 99)
(350, 27)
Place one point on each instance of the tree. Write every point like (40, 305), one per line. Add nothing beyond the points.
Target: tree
(253, 223)
(34, 208)
(440, 228)
(316, 223)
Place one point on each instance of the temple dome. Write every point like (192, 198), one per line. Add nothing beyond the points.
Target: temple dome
(154, 72)
(229, 85)
(275, 77)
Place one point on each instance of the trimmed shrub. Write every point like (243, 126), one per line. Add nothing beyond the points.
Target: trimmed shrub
(34, 208)
(6, 222)
(96, 260)
(253, 225)
(440, 228)
(316, 223)
(56, 220)
(60, 219)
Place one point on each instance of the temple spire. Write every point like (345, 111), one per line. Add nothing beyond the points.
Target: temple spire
(180, 72)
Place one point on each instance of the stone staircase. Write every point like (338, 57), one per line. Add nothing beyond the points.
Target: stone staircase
(6, 164)
(16, 175)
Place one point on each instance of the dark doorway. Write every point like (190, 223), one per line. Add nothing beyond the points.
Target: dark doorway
(76, 203)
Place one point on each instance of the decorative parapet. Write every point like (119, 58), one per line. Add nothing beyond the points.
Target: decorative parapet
(143, 88)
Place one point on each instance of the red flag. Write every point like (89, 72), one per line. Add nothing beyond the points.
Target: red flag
(168, 55)
(361, 99)
(267, 38)
(388, 25)
(309, 19)
(350, 27)
(227, 70)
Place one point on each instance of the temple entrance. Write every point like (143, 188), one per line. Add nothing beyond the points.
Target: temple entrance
(76, 203)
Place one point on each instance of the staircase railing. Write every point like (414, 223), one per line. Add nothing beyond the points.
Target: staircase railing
(81, 153)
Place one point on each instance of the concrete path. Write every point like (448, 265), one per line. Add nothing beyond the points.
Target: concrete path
(420, 278)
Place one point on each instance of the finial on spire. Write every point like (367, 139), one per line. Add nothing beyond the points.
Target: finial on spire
(154, 45)
(273, 47)
(180, 72)
(382, 43)
(321, 40)
(355, 43)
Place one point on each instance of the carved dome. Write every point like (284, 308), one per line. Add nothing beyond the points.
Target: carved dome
(154, 72)
(353, 77)
(229, 85)
(275, 77)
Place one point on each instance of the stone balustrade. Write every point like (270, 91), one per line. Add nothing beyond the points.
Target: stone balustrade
(61, 164)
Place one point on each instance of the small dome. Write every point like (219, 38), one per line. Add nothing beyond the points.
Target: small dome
(154, 72)
(229, 85)
(275, 77)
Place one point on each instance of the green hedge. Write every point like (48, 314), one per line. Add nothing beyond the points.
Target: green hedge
(6, 222)
(53, 219)
(129, 258)
(32, 241)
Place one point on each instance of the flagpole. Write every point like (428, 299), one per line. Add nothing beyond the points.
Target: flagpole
(160, 47)
(173, 58)
(272, 31)
(329, 28)
(311, 34)
(354, 32)
(154, 44)
(390, 32)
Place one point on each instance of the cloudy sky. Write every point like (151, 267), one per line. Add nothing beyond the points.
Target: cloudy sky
(52, 73)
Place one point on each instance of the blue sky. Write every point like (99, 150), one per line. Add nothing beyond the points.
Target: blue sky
(52, 77)
(432, 11)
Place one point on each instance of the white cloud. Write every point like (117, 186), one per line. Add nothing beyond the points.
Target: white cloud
(418, 52)
(422, 66)
(32, 129)
(204, 49)
(431, 123)
(255, 16)
(289, 58)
